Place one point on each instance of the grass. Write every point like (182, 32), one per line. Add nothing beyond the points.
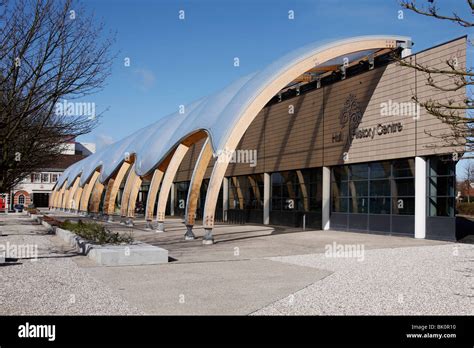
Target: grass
(96, 233)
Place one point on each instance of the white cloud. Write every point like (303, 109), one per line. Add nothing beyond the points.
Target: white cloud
(146, 78)
(103, 140)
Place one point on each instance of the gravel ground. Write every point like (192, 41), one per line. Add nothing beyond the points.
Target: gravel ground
(418, 280)
(428, 280)
(53, 284)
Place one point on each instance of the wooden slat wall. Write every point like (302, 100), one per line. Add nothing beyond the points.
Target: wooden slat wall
(287, 141)
(437, 58)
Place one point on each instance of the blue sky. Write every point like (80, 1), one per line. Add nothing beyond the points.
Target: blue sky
(176, 61)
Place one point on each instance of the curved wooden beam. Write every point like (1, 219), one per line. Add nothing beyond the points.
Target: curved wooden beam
(81, 202)
(61, 195)
(65, 198)
(255, 188)
(51, 199)
(72, 193)
(86, 193)
(113, 187)
(196, 181)
(75, 203)
(96, 197)
(129, 184)
(132, 201)
(152, 193)
(238, 190)
(168, 178)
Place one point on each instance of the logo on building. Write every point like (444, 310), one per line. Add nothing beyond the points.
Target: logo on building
(350, 113)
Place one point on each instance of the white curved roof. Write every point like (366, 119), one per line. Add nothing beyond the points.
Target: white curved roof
(216, 114)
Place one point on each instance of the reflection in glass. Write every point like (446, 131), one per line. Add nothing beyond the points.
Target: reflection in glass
(358, 205)
(403, 206)
(403, 168)
(359, 171)
(380, 170)
(358, 188)
(380, 205)
(380, 188)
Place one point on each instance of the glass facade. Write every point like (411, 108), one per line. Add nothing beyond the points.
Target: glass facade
(296, 198)
(181, 196)
(364, 194)
(245, 199)
(371, 197)
(374, 188)
(246, 192)
(296, 190)
(441, 187)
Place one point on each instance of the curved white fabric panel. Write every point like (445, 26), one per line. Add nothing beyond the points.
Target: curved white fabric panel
(217, 115)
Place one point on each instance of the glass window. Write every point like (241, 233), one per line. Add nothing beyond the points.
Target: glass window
(44, 177)
(374, 187)
(315, 204)
(35, 177)
(380, 188)
(380, 205)
(296, 190)
(442, 186)
(291, 204)
(340, 173)
(246, 192)
(359, 171)
(441, 206)
(359, 205)
(54, 177)
(441, 166)
(181, 194)
(339, 205)
(358, 188)
(404, 168)
(403, 206)
(276, 178)
(403, 187)
(340, 188)
(276, 204)
(380, 170)
(21, 199)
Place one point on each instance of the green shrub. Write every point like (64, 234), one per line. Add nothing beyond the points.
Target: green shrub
(96, 233)
(466, 208)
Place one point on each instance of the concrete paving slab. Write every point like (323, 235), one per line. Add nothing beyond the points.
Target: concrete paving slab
(212, 288)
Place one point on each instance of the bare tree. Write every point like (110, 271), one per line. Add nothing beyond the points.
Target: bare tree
(50, 51)
(468, 180)
(454, 112)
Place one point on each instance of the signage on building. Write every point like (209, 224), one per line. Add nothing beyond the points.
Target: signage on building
(351, 113)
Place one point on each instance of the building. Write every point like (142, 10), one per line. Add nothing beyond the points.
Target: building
(326, 137)
(36, 188)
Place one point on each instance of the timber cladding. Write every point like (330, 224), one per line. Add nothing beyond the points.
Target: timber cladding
(367, 117)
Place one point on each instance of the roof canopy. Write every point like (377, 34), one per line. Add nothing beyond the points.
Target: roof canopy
(217, 114)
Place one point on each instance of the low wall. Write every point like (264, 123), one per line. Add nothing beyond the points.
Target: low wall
(134, 254)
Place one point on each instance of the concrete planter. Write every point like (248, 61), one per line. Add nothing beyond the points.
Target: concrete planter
(115, 255)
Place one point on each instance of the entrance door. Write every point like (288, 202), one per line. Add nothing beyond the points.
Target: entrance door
(40, 199)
